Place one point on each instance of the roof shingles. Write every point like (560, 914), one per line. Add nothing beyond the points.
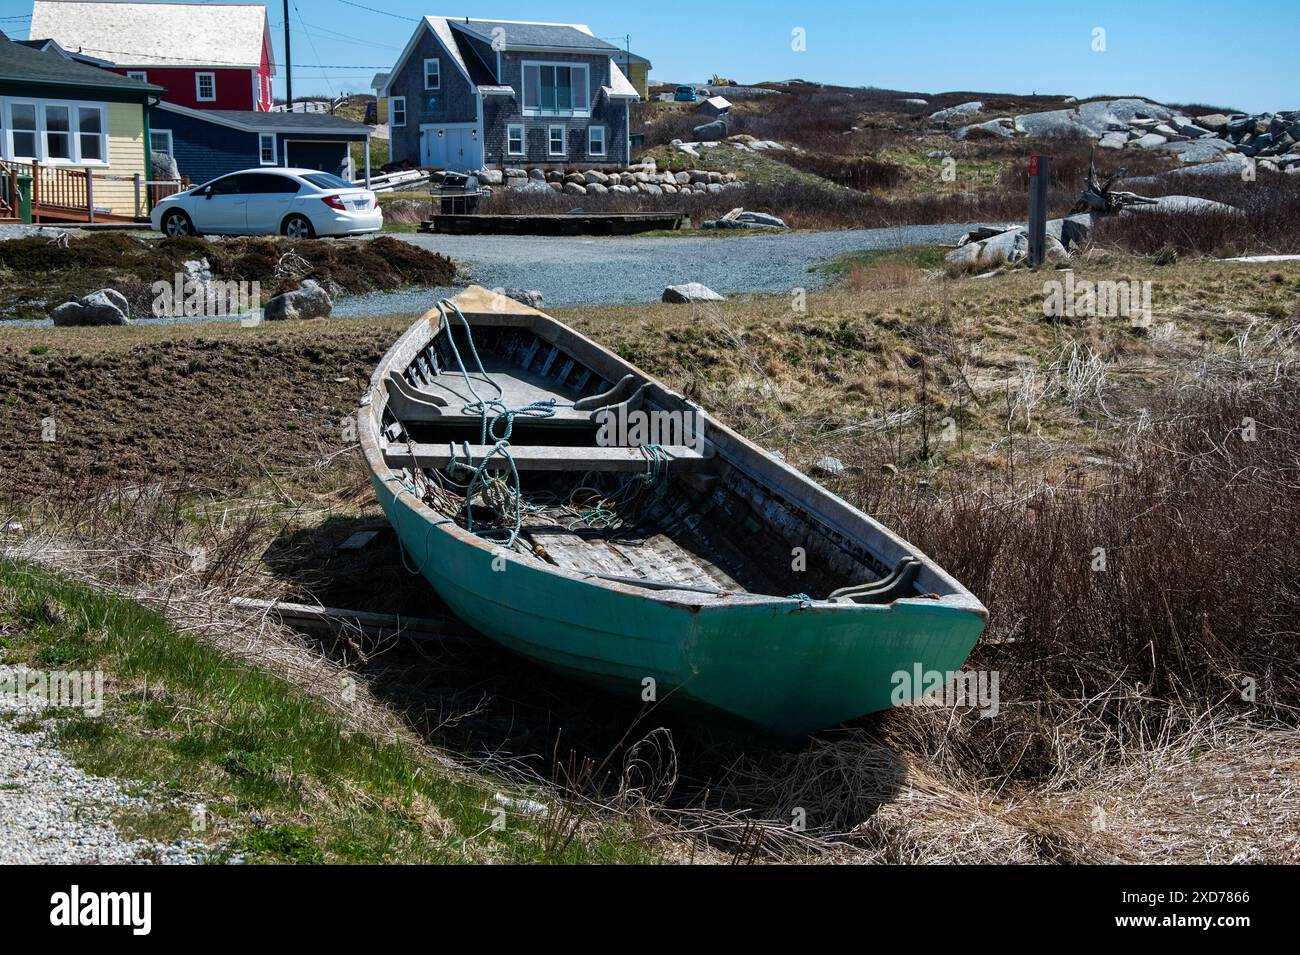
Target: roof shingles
(559, 36)
(21, 64)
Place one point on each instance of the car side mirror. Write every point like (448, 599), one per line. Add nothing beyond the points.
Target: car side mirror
(207, 193)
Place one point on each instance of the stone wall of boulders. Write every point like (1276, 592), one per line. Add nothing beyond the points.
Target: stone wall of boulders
(643, 178)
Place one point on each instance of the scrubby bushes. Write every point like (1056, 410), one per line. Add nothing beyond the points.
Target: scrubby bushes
(1170, 588)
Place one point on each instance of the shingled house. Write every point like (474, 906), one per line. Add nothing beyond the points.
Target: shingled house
(466, 94)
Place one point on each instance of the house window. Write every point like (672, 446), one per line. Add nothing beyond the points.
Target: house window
(555, 88)
(90, 134)
(55, 131)
(595, 140)
(22, 125)
(266, 148)
(140, 75)
(397, 111)
(205, 87)
(432, 74)
(514, 140)
(58, 134)
(555, 141)
(160, 141)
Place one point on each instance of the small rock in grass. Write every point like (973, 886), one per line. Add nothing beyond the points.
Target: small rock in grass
(691, 292)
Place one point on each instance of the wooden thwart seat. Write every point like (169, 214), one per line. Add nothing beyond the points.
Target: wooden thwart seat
(542, 458)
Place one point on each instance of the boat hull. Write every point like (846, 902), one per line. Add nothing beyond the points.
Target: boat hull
(786, 667)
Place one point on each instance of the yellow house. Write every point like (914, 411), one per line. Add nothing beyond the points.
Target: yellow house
(636, 69)
(79, 132)
(377, 85)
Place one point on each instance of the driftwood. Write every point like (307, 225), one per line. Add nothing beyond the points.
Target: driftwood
(1100, 196)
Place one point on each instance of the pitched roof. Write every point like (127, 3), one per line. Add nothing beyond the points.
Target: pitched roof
(22, 64)
(524, 35)
(47, 44)
(267, 122)
(624, 57)
(620, 87)
(157, 34)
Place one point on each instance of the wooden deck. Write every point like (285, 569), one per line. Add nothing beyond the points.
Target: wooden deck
(66, 194)
(572, 223)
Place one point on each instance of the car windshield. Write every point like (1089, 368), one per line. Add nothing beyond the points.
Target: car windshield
(326, 181)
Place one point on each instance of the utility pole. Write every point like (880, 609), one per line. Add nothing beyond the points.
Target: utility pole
(288, 60)
(1039, 170)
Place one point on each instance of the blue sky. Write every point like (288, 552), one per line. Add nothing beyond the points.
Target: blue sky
(1240, 55)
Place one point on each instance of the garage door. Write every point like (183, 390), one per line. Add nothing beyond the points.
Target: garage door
(327, 157)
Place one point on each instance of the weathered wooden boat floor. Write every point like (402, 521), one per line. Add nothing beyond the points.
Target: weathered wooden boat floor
(519, 386)
(594, 223)
(655, 558)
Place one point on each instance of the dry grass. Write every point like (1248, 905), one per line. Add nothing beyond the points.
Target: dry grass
(1122, 734)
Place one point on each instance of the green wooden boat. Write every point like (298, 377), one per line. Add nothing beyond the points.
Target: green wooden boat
(684, 565)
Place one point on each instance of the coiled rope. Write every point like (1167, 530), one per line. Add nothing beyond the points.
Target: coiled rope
(497, 421)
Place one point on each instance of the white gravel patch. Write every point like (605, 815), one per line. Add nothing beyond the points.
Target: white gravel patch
(53, 813)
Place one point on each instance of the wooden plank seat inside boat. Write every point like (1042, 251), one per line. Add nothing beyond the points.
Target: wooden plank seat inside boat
(541, 458)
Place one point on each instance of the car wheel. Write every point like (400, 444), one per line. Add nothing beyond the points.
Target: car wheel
(297, 227)
(176, 224)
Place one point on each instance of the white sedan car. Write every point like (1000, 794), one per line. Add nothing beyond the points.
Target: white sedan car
(298, 203)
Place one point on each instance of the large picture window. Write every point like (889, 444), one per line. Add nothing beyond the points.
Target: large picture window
(54, 131)
(555, 88)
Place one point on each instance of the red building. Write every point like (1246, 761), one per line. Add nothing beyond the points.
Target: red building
(206, 55)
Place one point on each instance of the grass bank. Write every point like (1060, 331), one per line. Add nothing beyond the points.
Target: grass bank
(282, 775)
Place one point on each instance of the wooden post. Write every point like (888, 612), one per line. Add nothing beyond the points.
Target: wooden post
(137, 195)
(90, 196)
(367, 147)
(1039, 169)
(36, 188)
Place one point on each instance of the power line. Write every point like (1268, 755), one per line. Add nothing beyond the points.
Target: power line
(314, 51)
(334, 36)
(362, 6)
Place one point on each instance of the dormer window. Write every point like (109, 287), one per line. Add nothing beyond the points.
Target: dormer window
(556, 88)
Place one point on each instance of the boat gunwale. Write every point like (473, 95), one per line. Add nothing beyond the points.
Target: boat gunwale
(738, 451)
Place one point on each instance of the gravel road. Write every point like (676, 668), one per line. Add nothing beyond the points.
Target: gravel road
(52, 812)
(578, 270)
(627, 270)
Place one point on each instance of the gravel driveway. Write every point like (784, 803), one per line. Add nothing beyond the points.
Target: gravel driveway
(595, 271)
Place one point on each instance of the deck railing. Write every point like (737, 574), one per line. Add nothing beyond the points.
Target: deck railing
(8, 194)
(67, 193)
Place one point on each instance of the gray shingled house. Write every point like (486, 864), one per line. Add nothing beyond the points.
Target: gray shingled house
(467, 94)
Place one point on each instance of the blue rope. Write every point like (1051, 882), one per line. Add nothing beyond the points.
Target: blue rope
(496, 420)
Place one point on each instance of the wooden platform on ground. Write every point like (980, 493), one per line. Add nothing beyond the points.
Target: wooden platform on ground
(571, 223)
